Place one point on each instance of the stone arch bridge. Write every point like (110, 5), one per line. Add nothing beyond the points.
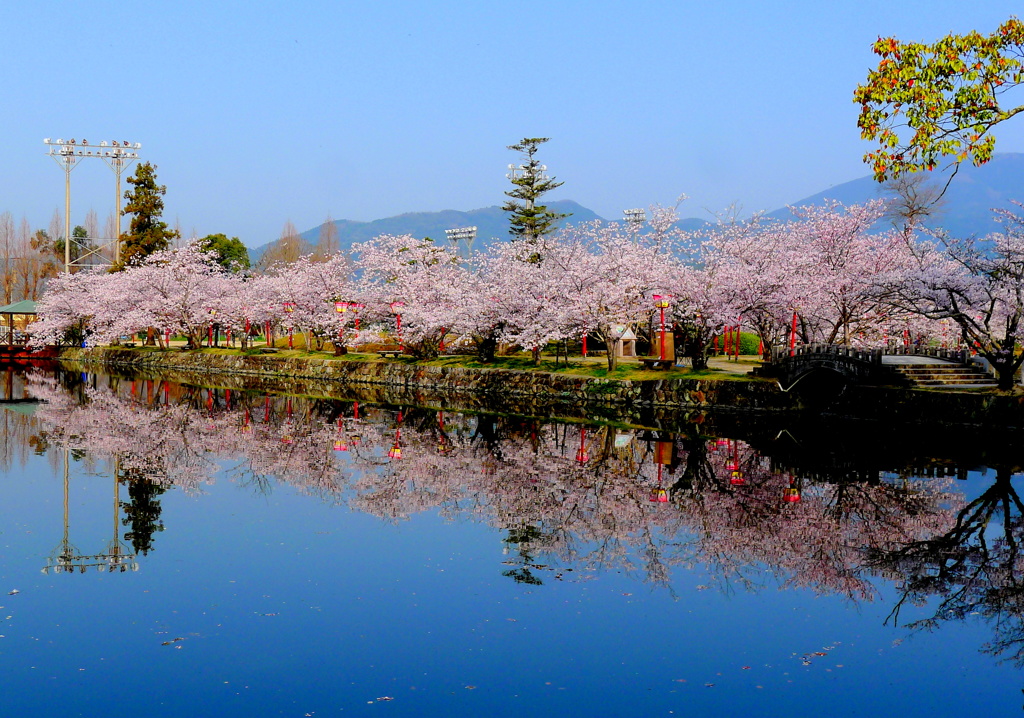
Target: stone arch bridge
(856, 366)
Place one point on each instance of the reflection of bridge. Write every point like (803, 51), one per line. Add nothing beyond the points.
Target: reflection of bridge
(932, 366)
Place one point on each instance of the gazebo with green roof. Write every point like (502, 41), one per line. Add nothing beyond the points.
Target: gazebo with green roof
(25, 310)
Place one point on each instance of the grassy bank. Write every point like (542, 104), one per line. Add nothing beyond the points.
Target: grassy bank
(628, 369)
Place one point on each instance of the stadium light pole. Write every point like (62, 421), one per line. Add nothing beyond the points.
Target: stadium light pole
(635, 218)
(67, 154)
(462, 234)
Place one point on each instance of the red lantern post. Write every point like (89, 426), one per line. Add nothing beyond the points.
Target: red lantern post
(341, 308)
(289, 307)
(792, 337)
(396, 307)
(661, 302)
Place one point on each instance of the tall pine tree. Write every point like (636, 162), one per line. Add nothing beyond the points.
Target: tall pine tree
(147, 233)
(529, 220)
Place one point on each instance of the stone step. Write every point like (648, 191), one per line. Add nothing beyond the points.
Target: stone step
(953, 376)
(941, 370)
(989, 385)
(944, 373)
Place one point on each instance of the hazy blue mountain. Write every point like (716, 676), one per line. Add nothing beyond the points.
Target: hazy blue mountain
(967, 205)
(966, 209)
(491, 224)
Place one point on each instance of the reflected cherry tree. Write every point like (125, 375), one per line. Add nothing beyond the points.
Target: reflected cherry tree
(564, 495)
(973, 567)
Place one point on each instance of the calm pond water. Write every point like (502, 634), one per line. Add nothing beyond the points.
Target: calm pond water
(172, 550)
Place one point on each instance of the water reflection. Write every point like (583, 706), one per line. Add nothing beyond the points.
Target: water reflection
(67, 558)
(567, 498)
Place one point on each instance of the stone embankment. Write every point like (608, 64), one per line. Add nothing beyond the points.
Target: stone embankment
(496, 389)
(547, 394)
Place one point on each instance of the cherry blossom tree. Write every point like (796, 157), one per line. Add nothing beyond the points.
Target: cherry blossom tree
(976, 283)
(419, 280)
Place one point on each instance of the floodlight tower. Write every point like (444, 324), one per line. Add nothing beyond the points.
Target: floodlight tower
(635, 218)
(64, 155)
(119, 158)
(67, 154)
(462, 234)
(67, 559)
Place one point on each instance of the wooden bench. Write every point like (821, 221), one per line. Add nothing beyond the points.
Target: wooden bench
(656, 363)
(393, 353)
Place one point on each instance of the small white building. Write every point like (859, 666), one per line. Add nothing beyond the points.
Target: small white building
(625, 341)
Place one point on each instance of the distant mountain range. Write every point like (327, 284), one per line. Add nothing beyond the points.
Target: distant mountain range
(966, 208)
(491, 224)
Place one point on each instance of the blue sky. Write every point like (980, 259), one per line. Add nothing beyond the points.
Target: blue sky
(257, 113)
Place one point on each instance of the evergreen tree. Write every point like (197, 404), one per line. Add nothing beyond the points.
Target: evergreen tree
(142, 513)
(231, 253)
(147, 232)
(530, 220)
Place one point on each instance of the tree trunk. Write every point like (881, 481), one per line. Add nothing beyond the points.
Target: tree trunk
(487, 348)
(698, 355)
(1005, 364)
(609, 344)
(1005, 372)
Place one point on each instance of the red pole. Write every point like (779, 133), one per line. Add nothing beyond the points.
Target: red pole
(581, 454)
(792, 337)
(662, 333)
(727, 339)
(737, 348)
(584, 345)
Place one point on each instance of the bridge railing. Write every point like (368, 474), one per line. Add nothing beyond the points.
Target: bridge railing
(782, 352)
(960, 355)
